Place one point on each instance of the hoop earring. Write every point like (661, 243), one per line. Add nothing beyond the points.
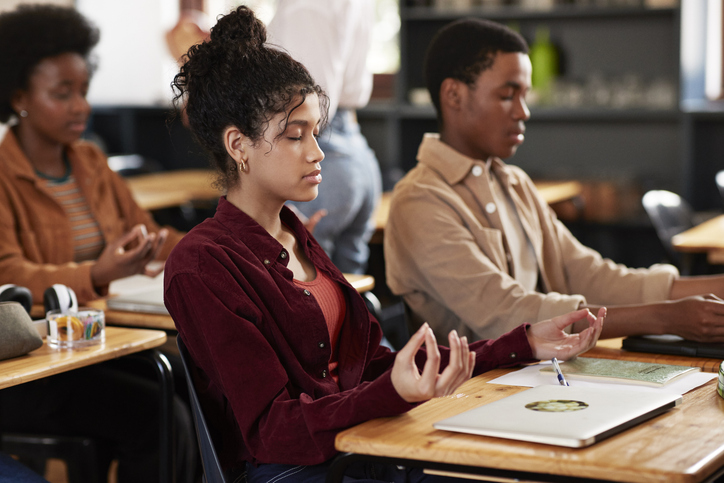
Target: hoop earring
(242, 166)
(23, 113)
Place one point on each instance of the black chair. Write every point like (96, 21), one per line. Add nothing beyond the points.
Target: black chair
(670, 214)
(720, 183)
(213, 472)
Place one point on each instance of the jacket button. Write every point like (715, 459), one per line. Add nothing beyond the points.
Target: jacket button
(283, 254)
(321, 345)
(266, 262)
(477, 170)
(307, 292)
(513, 355)
(324, 373)
(490, 208)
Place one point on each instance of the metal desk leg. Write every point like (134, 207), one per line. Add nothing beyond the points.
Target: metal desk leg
(166, 420)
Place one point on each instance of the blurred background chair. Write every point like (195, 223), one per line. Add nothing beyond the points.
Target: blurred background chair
(720, 184)
(670, 214)
(133, 164)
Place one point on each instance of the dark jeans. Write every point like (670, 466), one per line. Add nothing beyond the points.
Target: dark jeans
(114, 407)
(13, 472)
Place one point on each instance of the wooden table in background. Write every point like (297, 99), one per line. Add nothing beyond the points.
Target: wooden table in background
(707, 237)
(46, 361)
(362, 283)
(684, 445)
(172, 188)
(552, 191)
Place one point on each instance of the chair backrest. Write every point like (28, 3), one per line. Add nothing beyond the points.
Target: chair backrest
(670, 214)
(213, 473)
(720, 183)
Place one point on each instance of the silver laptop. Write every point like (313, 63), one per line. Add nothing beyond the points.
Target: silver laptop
(563, 415)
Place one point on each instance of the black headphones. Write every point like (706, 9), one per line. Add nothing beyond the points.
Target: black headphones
(59, 297)
(14, 293)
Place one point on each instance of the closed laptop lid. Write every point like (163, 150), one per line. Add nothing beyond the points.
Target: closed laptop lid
(673, 345)
(563, 415)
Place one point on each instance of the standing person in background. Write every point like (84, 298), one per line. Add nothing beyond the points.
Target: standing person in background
(66, 218)
(331, 38)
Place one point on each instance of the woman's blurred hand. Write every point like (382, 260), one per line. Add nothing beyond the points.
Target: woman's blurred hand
(128, 255)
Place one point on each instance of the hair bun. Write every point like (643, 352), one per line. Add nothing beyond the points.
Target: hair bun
(240, 27)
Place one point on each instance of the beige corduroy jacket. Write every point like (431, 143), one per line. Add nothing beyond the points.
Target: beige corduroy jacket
(446, 252)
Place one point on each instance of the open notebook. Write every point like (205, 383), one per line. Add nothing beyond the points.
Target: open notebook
(137, 293)
(563, 415)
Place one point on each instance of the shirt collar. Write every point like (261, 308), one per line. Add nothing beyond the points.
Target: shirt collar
(454, 166)
(14, 161)
(254, 236)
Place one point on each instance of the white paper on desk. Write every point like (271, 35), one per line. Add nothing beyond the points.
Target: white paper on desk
(531, 376)
(135, 284)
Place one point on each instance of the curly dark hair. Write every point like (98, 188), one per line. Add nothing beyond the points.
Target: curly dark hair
(236, 79)
(32, 33)
(463, 49)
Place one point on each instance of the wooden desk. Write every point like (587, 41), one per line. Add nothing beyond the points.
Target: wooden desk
(684, 445)
(708, 237)
(552, 191)
(172, 188)
(46, 361)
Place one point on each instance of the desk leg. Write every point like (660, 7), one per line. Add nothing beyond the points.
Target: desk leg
(163, 371)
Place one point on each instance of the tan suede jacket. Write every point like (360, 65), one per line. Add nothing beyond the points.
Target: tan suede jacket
(36, 248)
(446, 252)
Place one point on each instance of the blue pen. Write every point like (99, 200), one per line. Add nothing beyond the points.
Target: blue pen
(561, 379)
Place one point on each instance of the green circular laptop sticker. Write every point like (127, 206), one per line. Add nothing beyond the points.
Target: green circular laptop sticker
(557, 406)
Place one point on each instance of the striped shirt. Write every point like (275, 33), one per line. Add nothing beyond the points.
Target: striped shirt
(88, 240)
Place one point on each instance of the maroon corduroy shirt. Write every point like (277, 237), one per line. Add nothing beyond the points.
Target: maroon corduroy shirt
(262, 345)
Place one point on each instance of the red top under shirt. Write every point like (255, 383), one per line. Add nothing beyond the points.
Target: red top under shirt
(331, 300)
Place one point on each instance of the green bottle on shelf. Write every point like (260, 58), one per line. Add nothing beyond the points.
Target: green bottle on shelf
(544, 58)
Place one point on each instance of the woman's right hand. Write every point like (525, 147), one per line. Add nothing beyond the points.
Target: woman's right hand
(415, 387)
(118, 260)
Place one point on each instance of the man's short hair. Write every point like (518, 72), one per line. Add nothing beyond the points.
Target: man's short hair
(465, 48)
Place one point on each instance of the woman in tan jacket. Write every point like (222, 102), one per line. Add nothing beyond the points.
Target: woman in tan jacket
(65, 217)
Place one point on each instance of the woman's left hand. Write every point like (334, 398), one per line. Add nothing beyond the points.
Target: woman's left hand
(548, 339)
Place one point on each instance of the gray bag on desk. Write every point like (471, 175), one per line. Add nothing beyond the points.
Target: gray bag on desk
(18, 336)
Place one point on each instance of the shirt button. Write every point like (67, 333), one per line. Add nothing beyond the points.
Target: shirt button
(324, 373)
(307, 292)
(509, 257)
(283, 254)
(513, 355)
(266, 262)
(321, 345)
(477, 170)
(490, 207)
